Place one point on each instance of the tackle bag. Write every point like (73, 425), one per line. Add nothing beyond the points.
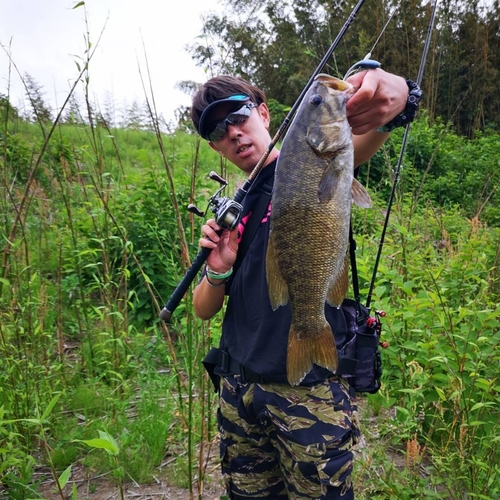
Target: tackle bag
(360, 360)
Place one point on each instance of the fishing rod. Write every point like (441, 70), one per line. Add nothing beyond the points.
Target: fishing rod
(401, 154)
(225, 208)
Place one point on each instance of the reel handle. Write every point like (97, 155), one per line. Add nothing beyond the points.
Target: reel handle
(216, 177)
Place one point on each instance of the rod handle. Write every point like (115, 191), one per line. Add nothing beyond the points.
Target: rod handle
(182, 287)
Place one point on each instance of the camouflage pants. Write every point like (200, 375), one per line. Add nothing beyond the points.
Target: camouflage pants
(281, 442)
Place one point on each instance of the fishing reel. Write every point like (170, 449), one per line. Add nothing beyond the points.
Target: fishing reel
(227, 211)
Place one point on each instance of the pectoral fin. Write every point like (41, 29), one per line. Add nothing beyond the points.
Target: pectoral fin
(327, 184)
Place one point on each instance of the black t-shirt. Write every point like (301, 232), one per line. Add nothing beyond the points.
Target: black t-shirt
(252, 333)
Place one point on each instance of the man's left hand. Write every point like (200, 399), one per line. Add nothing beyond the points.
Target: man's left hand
(380, 97)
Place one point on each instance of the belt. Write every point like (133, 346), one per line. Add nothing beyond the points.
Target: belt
(218, 358)
(221, 359)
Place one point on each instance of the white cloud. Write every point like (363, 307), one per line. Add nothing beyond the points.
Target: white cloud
(47, 36)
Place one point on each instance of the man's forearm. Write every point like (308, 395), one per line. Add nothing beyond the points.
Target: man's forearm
(366, 145)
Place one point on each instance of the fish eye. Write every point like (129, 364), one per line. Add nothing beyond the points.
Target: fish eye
(316, 100)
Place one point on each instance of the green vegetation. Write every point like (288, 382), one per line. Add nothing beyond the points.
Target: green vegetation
(95, 237)
(99, 238)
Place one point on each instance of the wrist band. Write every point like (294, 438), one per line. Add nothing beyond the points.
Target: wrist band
(218, 276)
(215, 286)
(410, 111)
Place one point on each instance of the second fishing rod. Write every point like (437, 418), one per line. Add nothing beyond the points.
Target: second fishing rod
(228, 211)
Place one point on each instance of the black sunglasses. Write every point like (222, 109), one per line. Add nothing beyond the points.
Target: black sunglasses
(234, 118)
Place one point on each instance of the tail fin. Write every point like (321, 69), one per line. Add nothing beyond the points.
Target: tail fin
(304, 351)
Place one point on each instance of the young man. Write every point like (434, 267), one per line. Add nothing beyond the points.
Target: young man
(277, 441)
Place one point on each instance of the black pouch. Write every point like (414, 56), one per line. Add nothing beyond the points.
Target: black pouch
(210, 362)
(360, 360)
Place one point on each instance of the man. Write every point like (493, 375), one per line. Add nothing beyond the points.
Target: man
(277, 441)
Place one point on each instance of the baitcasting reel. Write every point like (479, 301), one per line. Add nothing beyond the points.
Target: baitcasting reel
(227, 211)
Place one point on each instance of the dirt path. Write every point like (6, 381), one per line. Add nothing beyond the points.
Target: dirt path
(103, 488)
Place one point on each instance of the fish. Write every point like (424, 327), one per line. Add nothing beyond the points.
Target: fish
(314, 187)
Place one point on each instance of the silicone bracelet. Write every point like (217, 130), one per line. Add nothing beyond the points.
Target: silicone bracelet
(218, 276)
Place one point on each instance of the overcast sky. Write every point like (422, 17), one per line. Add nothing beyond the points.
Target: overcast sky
(46, 35)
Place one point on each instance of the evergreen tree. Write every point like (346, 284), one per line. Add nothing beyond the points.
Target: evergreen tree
(135, 118)
(42, 112)
(7, 111)
(108, 114)
(73, 114)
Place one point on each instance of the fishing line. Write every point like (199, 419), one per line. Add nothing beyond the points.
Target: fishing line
(367, 62)
(369, 55)
(401, 153)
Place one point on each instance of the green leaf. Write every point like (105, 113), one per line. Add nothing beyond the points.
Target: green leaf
(482, 405)
(49, 408)
(64, 477)
(441, 394)
(102, 444)
(477, 423)
(79, 4)
(108, 437)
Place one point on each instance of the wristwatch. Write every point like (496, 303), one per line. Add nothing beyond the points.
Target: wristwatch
(410, 111)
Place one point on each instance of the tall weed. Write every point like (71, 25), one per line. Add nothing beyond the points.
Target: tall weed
(437, 286)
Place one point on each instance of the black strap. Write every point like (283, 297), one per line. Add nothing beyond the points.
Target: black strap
(352, 255)
(254, 221)
(221, 359)
(354, 267)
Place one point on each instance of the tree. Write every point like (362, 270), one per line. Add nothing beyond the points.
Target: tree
(73, 114)
(34, 91)
(108, 114)
(135, 116)
(468, 75)
(7, 111)
(278, 44)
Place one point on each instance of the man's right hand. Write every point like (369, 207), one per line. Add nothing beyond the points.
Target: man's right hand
(224, 246)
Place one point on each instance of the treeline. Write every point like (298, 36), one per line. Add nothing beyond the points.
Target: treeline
(278, 44)
(80, 109)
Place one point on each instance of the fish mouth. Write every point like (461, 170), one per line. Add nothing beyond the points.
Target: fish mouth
(334, 83)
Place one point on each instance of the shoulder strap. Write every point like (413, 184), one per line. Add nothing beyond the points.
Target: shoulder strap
(352, 254)
(354, 268)
(257, 214)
